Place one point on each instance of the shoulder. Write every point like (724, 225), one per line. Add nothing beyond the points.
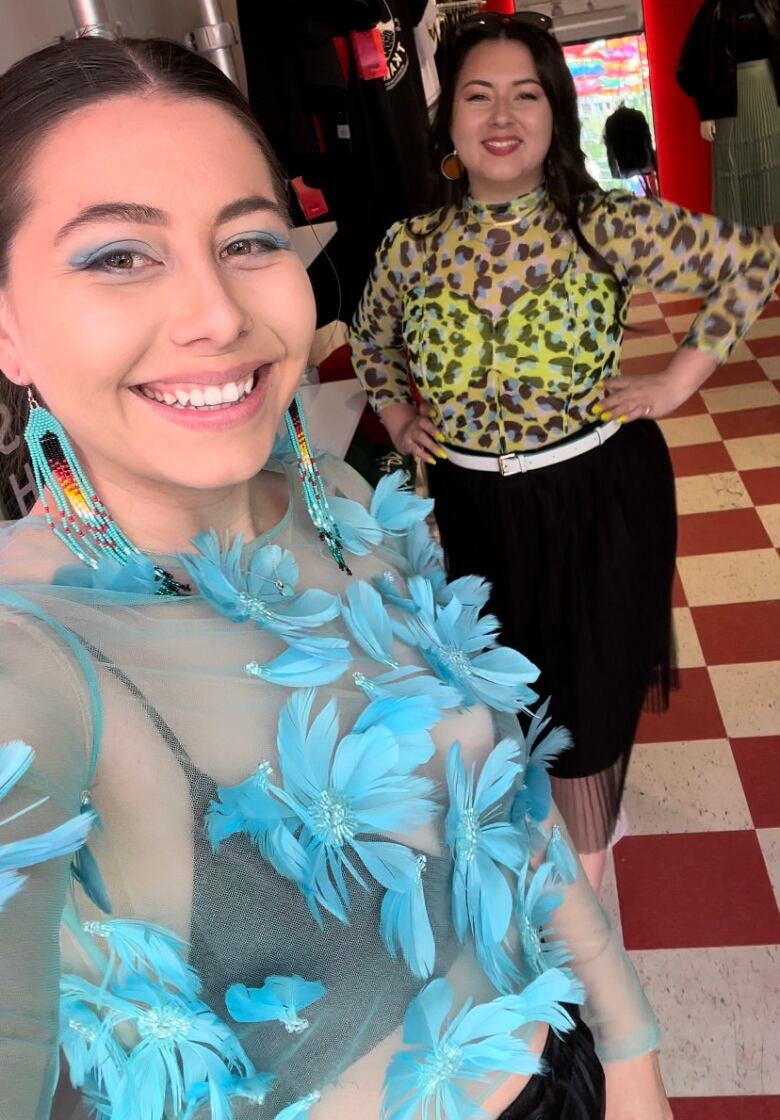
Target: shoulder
(406, 240)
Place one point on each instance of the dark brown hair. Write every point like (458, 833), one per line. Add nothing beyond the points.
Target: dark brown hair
(570, 186)
(36, 95)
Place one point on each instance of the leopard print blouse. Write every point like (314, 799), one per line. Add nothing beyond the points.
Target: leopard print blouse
(506, 327)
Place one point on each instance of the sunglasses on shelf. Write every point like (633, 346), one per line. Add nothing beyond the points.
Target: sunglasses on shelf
(538, 20)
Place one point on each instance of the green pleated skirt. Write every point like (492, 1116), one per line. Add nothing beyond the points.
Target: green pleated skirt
(746, 155)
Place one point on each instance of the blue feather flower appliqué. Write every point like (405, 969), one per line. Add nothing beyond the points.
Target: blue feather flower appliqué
(450, 1062)
(335, 795)
(394, 510)
(280, 999)
(342, 790)
(264, 593)
(533, 803)
(16, 855)
(461, 648)
(180, 1044)
(488, 850)
(138, 576)
(538, 897)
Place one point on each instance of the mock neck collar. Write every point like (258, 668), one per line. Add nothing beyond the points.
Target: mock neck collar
(506, 212)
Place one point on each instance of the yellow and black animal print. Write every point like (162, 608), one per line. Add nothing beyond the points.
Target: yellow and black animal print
(506, 325)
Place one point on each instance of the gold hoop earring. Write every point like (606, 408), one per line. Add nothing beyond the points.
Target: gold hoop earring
(452, 168)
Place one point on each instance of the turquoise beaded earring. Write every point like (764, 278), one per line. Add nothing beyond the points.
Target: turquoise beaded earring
(85, 526)
(313, 489)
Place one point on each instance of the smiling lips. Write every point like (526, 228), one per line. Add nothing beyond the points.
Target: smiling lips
(201, 396)
(502, 145)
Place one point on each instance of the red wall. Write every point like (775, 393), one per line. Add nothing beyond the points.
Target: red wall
(684, 159)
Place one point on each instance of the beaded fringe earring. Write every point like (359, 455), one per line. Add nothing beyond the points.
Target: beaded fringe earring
(85, 526)
(313, 489)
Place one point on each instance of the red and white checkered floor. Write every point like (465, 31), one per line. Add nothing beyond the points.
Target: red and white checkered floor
(694, 884)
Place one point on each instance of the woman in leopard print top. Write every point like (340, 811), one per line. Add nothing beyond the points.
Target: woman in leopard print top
(488, 339)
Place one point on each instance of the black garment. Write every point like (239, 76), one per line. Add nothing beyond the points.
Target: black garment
(574, 1087)
(629, 143)
(581, 559)
(751, 42)
(373, 168)
(707, 70)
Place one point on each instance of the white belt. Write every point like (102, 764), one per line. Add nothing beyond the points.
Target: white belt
(519, 463)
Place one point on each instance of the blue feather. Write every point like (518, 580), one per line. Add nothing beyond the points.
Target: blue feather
(60, 841)
(147, 948)
(15, 760)
(406, 927)
(278, 1000)
(299, 668)
(360, 532)
(397, 508)
(300, 1109)
(561, 856)
(368, 622)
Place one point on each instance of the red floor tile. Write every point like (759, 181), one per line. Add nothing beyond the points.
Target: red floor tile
(693, 713)
(749, 422)
(726, 1108)
(739, 632)
(648, 327)
(700, 458)
(642, 299)
(764, 347)
(758, 762)
(763, 485)
(697, 890)
(694, 406)
(736, 373)
(731, 530)
(647, 363)
(678, 592)
(681, 307)
(772, 310)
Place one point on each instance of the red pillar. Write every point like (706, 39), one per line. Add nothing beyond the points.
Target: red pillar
(684, 159)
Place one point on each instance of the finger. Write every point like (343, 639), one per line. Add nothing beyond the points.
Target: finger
(430, 429)
(429, 445)
(426, 409)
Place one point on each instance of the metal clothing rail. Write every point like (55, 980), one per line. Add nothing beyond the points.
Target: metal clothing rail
(215, 37)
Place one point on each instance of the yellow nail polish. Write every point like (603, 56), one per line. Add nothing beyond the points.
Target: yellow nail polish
(442, 454)
(606, 416)
(430, 459)
(622, 419)
(599, 385)
(440, 437)
(597, 408)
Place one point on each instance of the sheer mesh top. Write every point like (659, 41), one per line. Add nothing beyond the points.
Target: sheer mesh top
(320, 835)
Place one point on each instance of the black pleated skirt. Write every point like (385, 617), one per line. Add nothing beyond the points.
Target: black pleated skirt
(581, 559)
(573, 1086)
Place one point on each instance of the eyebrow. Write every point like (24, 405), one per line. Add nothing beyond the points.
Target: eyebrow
(489, 85)
(139, 214)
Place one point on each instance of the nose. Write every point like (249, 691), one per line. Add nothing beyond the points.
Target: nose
(207, 307)
(502, 111)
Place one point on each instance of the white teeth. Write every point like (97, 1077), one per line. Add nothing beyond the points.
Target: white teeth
(209, 397)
